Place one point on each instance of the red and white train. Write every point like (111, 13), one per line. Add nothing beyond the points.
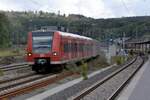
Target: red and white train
(46, 48)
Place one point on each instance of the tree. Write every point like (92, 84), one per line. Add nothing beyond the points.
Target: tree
(4, 30)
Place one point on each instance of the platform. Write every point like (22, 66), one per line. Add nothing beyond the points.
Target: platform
(139, 87)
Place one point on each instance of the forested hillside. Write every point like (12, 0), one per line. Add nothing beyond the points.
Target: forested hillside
(4, 30)
(15, 25)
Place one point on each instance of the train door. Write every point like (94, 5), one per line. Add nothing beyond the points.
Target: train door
(67, 53)
(82, 49)
(79, 49)
(76, 51)
(65, 49)
(70, 49)
(73, 48)
(86, 48)
(62, 48)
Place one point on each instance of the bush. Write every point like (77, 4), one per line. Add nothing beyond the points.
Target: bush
(118, 59)
(84, 70)
(72, 67)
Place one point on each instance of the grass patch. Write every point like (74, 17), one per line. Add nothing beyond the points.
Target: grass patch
(6, 53)
(1, 73)
(11, 52)
(118, 59)
(84, 70)
(98, 63)
(85, 66)
(72, 67)
(81, 69)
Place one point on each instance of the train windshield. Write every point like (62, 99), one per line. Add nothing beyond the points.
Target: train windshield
(42, 42)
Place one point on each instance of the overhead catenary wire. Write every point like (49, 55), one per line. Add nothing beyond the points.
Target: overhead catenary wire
(35, 2)
(126, 7)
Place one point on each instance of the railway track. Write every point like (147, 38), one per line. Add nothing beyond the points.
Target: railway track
(14, 66)
(111, 85)
(28, 83)
(7, 86)
(16, 78)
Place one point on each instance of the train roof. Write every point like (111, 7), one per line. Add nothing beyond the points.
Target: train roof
(66, 34)
(74, 35)
(44, 30)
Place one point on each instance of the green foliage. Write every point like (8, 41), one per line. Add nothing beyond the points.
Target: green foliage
(10, 52)
(4, 31)
(72, 67)
(119, 59)
(1, 73)
(101, 29)
(84, 70)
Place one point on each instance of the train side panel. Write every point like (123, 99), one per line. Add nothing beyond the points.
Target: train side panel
(56, 49)
(60, 48)
(29, 53)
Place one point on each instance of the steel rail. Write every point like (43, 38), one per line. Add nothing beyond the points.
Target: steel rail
(117, 92)
(24, 80)
(97, 84)
(34, 85)
(16, 78)
(15, 66)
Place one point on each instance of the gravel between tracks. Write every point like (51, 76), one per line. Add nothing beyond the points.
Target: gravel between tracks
(11, 83)
(15, 73)
(30, 81)
(65, 94)
(104, 91)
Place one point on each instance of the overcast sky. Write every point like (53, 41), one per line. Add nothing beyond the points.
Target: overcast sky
(89, 8)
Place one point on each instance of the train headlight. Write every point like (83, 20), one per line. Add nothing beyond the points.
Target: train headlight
(55, 53)
(29, 54)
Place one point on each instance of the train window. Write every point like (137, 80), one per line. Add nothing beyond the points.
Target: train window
(69, 47)
(66, 47)
(75, 47)
(71, 50)
(80, 47)
(42, 41)
(72, 47)
(89, 47)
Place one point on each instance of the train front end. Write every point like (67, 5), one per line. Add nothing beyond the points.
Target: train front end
(41, 50)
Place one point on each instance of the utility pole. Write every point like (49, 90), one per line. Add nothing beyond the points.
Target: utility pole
(123, 41)
(136, 33)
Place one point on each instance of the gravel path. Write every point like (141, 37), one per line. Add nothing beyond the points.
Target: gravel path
(15, 73)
